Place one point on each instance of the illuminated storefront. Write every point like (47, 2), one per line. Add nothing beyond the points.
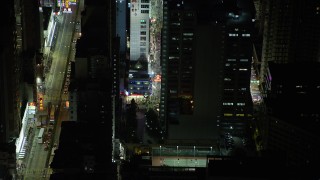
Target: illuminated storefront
(27, 123)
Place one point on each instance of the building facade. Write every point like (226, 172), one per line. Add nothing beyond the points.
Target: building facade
(290, 32)
(138, 80)
(139, 29)
(206, 63)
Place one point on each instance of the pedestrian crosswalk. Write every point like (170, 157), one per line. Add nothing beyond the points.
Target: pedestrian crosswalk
(22, 153)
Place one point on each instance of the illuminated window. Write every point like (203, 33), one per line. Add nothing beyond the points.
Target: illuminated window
(241, 104)
(176, 23)
(233, 35)
(173, 91)
(188, 34)
(243, 69)
(227, 104)
(245, 35)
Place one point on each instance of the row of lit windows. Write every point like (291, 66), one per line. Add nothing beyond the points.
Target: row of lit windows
(139, 88)
(231, 104)
(143, 38)
(188, 34)
(176, 23)
(143, 50)
(145, 11)
(236, 35)
(240, 69)
(144, 6)
(229, 114)
(241, 60)
(143, 43)
(243, 69)
(190, 38)
(241, 89)
(139, 82)
(114, 77)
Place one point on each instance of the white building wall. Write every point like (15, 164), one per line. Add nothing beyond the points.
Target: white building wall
(139, 22)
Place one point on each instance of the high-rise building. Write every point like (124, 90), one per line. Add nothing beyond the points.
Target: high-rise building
(290, 32)
(10, 119)
(121, 24)
(286, 65)
(139, 29)
(206, 62)
(30, 25)
(122, 34)
(292, 119)
(92, 95)
(139, 47)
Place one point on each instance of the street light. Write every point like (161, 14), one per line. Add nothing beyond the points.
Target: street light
(177, 150)
(194, 151)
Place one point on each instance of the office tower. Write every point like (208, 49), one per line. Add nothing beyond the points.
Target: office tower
(286, 65)
(122, 34)
(121, 22)
(95, 62)
(30, 25)
(292, 118)
(139, 47)
(139, 29)
(29, 33)
(10, 120)
(291, 32)
(206, 62)
(10, 77)
(92, 97)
